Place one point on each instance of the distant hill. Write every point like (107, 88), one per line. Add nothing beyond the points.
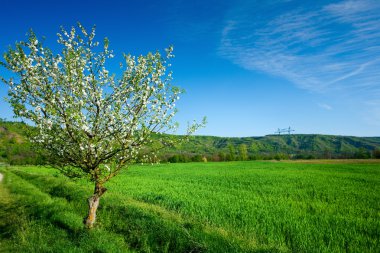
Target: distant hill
(14, 145)
(16, 149)
(280, 147)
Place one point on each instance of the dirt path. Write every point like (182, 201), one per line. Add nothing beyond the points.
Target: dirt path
(1, 177)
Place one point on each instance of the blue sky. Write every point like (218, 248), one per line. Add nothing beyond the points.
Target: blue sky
(249, 66)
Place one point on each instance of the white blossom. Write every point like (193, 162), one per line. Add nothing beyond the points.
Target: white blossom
(85, 116)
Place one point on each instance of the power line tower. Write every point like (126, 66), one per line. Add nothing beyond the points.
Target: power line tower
(284, 130)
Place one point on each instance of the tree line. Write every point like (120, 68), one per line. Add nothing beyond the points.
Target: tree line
(242, 153)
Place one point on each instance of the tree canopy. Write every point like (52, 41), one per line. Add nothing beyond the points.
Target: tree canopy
(91, 123)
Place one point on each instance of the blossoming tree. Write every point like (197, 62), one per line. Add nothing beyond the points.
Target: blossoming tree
(91, 123)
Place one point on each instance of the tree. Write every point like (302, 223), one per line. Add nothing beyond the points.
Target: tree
(243, 152)
(376, 153)
(231, 154)
(90, 123)
(362, 153)
(222, 156)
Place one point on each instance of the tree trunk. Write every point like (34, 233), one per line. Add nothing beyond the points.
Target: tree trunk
(93, 203)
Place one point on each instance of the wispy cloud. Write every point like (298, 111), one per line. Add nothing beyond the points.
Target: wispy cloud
(321, 47)
(325, 106)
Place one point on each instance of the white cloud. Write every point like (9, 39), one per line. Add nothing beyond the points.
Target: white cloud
(350, 10)
(327, 48)
(325, 106)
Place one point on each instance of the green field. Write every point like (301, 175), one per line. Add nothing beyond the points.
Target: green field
(197, 207)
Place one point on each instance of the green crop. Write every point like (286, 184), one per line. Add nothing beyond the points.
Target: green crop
(198, 207)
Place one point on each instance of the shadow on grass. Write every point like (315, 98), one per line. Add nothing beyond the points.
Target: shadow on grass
(33, 221)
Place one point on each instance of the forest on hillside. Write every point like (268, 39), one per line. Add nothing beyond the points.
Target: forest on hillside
(16, 149)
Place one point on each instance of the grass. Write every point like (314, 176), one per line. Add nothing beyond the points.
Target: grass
(197, 207)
